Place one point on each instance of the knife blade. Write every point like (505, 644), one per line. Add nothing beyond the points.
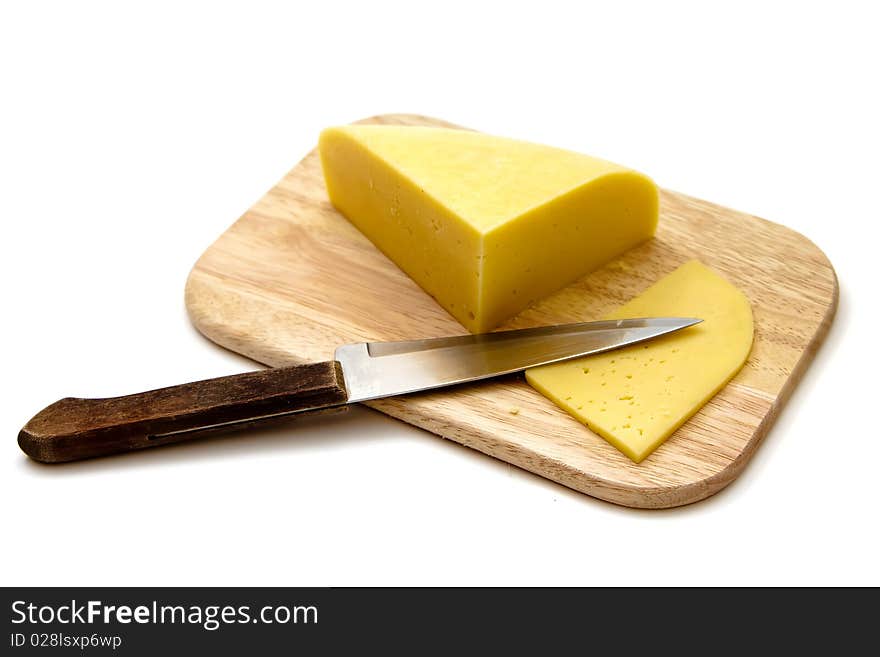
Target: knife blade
(75, 428)
(373, 370)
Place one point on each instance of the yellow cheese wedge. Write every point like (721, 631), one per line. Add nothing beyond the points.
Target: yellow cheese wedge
(637, 396)
(485, 225)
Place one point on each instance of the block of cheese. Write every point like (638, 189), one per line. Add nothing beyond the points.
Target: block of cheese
(485, 225)
(637, 396)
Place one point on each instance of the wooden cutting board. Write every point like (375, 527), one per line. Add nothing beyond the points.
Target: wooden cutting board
(292, 279)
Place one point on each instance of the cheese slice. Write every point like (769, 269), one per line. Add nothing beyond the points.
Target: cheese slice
(485, 225)
(637, 396)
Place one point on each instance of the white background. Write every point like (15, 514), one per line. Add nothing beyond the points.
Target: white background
(131, 138)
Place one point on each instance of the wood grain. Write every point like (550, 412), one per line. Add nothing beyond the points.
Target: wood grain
(74, 428)
(292, 279)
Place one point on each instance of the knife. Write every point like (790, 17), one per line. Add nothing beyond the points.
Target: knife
(74, 428)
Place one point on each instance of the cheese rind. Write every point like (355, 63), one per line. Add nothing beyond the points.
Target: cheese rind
(636, 397)
(486, 225)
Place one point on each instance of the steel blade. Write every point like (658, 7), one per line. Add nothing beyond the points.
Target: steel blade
(384, 369)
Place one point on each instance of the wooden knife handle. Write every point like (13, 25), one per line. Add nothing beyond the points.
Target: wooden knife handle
(72, 429)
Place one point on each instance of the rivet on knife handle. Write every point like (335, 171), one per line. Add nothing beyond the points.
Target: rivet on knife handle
(73, 429)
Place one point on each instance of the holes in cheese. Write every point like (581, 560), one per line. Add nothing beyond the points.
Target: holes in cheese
(483, 224)
(636, 397)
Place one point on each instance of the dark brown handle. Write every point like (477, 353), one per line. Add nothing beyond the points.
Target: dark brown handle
(72, 429)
